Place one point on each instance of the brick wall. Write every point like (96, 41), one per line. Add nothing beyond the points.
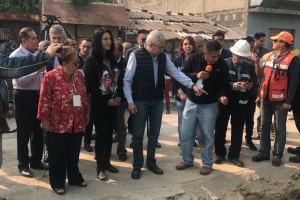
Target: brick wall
(221, 5)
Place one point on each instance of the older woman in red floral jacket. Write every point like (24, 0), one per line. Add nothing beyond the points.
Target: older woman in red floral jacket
(64, 112)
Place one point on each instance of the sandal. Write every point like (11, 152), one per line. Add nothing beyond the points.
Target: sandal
(81, 184)
(59, 191)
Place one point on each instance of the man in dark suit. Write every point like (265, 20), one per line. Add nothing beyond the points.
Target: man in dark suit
(219, 36)
(140, 39)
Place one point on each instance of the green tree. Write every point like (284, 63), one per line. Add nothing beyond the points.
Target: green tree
(21, 6)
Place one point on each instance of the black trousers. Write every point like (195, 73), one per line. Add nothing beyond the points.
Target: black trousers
(238, 116)
(64, 150)
(121, 128)
(26, 102)
(251, 106)
(88, 132)
(296, 110)
(104, 117)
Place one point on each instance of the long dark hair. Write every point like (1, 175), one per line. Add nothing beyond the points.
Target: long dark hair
(98, 53)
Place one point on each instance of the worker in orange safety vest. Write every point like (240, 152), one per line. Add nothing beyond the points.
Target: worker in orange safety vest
(277, 90)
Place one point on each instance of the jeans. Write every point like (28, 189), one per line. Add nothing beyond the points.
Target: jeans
(180, 107)
(205, 115)
(267, 109)
(152, 110)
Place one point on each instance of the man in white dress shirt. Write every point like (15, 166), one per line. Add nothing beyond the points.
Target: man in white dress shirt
(26, 96)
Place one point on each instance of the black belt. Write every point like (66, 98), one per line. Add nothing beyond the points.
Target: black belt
(28, 91)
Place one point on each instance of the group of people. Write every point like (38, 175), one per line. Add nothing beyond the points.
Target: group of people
(210, 85)
(236, 81)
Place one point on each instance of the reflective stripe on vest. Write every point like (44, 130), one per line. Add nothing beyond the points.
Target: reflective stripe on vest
(275, 83)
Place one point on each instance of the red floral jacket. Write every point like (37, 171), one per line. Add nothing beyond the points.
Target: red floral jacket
(56, 101)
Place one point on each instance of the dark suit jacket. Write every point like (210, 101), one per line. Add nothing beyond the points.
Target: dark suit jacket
(128, 52)
(225, 54)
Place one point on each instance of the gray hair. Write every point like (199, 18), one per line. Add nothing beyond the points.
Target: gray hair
(43, 45)
(154, 37)
(57, 29)
(198, 38)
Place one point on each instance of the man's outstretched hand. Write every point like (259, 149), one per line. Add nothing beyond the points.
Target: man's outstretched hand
(53, 48)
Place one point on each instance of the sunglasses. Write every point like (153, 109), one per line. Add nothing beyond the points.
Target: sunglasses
(143, 39)
(277, 41)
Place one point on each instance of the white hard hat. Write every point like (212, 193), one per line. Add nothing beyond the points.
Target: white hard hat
(241, 48)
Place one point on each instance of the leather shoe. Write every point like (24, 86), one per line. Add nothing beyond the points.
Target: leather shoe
(2, 199)
(26, 172)
(219, 159)
(292, 150)
(237, 162)
(111, 168)
(155, 169)
(136, 174)
(39, 165)
(158, 145)
(295, 159)
(123, 157)
(88, 148)
(182, 166)
(102, 176)
(205, 170)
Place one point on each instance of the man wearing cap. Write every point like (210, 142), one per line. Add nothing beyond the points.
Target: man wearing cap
(277, 90)
(241, 76)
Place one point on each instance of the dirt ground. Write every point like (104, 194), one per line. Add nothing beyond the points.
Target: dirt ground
(254, 181)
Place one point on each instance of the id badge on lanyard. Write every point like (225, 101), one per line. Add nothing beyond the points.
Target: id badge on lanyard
(76, 100)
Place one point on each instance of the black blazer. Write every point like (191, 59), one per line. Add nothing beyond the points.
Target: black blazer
(225, 54)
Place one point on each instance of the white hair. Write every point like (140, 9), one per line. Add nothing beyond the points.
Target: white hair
(57, 29)
(154, 37)
(198, 38)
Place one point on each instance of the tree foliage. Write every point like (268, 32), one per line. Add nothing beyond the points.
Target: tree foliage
(88, 1)
(21, 6)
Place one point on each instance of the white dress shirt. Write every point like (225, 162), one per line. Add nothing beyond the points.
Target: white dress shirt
(28, 82)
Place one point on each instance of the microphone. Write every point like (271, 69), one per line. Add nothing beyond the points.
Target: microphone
(199, 83)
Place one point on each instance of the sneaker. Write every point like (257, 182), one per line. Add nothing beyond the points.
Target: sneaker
(219, 159)
(276, 161)
(295, 159)
(182, 166)
(259, 158)
(205, 170)
(292, 150)
(251, 145)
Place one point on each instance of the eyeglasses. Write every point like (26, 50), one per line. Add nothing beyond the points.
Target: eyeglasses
(160, 47)
(76, 64)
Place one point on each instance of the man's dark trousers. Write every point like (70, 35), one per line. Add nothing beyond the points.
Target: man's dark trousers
(26, 102)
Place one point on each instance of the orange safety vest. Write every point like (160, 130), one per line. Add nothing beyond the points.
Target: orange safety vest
(276, 78)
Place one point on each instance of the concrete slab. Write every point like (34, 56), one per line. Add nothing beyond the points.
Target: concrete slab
(255, 180)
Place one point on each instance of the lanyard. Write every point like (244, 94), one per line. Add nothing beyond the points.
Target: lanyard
(73, 83)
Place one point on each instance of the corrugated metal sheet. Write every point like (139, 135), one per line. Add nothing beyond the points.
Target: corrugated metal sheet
(88, 14)
(281, 4)
(177, 26)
